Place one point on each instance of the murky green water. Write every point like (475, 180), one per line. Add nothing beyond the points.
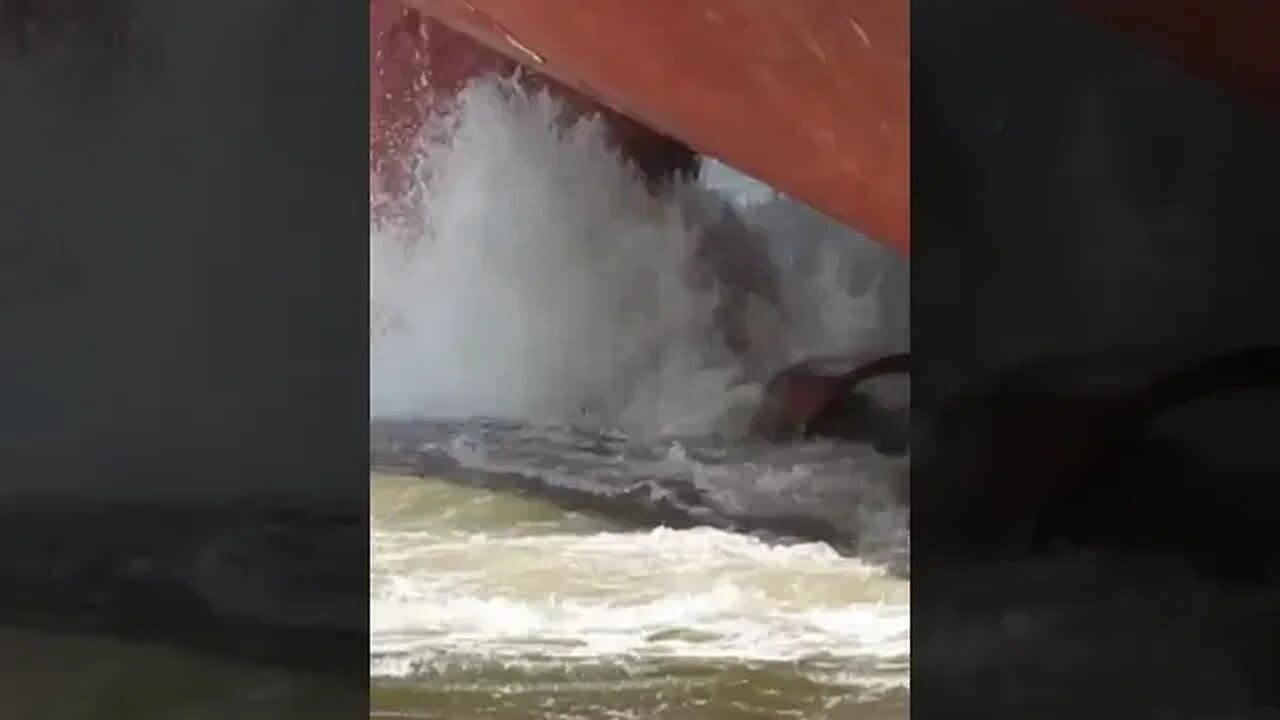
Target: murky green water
(51, 676)
(489, 605)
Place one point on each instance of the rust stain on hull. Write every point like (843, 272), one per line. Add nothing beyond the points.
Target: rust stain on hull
(810, 96)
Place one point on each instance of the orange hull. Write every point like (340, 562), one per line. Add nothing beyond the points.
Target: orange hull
(418, 64)
(810, 96)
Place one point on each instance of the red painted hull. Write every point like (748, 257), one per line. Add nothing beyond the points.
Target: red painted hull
(418, 64)
(808, 95)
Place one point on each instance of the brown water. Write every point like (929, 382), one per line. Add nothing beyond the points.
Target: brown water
(490, 605)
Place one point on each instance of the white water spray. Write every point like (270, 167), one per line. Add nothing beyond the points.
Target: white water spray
(542, 281)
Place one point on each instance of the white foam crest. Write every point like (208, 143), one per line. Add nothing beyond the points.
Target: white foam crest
(697, 593)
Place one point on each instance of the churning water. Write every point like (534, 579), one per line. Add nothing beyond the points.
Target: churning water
(567, 520)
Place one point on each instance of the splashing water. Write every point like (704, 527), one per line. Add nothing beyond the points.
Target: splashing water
(540, 279)
(537, 281)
